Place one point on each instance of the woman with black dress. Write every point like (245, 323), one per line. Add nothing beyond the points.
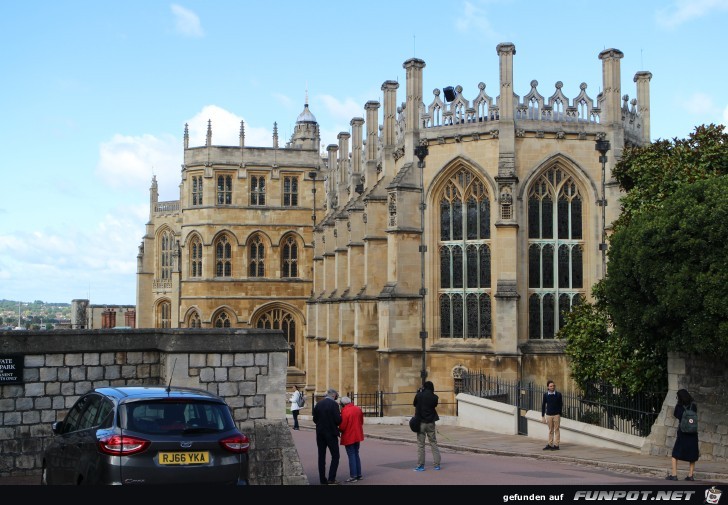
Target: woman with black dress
(686, 444)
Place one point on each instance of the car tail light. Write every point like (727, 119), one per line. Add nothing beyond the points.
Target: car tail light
(122, 445)
(238, 443)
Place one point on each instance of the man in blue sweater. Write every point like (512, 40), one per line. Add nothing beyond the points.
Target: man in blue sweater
(551, 415)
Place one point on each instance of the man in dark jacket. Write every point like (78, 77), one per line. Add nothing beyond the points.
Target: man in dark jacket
(425, 403)
(551, 415)
(327, 417)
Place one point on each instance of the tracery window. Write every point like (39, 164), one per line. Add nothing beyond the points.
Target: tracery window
(256, 257)
(555, 252)
(223, 257)
(166, 260)
(464, 249)
(164, 315)
(290, 191)
(196, 190)
(222, 320)
(224, 189)
(194, 320)
(195, 257)
(257, 190)
(279, 319)
(289, 257)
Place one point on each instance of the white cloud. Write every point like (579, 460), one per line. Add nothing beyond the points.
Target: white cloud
(683, 11)
(475, 18)
(187, 22)
(78, 261)
(128, 162)
(226, 129)
(700, 104)
(342, 111)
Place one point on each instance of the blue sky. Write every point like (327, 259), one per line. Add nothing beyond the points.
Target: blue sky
(95, 95)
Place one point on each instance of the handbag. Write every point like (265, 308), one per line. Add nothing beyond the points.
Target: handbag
(414, 423)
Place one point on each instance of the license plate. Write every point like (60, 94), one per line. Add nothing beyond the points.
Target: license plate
(184, 458)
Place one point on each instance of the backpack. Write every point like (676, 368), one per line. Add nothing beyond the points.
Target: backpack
(689, 420)
(301, 400)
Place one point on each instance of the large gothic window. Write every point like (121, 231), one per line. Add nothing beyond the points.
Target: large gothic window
(166, 259)
(555, 251)
(256, 258)
(278, 319)
(464, 250)
(223, 257)
(289, 257)
(195, 269)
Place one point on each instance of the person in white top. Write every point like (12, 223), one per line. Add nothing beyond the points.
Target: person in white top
(294, 405)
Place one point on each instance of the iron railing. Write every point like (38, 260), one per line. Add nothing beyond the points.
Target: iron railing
(601, 404)
(381, 403)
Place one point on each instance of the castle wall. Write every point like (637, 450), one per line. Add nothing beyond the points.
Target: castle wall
(246, 367)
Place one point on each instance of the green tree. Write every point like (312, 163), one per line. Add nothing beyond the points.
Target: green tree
(652, 173)
(667, 264)
(668, 272)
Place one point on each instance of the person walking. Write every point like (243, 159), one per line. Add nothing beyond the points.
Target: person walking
(425, 403)
(327, 418)
(686, 446)
(295, 407)
(551, 407)
(352, 433)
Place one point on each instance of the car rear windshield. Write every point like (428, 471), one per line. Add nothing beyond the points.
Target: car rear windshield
(176, 416)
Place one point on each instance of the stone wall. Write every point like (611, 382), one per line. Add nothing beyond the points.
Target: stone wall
(706, 380)
(246, 367)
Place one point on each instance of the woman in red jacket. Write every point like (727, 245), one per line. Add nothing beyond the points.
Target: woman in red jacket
(352, 433)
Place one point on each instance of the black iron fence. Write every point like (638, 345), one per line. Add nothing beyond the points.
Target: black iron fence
(381, 403)
(601, 404)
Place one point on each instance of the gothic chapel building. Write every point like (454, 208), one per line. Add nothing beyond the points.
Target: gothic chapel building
(441, 234)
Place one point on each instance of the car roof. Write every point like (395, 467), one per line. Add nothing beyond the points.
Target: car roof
(123, 393)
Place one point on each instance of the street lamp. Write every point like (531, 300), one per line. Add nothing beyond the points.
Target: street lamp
(602, 146)
(312, 175)
(421, 152)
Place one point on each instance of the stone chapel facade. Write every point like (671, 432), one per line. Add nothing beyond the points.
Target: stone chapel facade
(440, 235)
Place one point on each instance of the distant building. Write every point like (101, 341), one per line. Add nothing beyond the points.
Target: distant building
(90, 317)
(450, 233)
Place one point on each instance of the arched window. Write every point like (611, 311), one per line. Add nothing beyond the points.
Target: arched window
(279, 319)
(555, 251)
(164, 315)
(223, 257)
(194, 320)
(222, 320)
(224, 189)
(464, 250)
(289, 257)
(166, 259)
(256, 258)
(195, 257)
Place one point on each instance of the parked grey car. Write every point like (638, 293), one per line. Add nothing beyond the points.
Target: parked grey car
(147, 435)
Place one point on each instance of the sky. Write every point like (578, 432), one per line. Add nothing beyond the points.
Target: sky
(95, 96)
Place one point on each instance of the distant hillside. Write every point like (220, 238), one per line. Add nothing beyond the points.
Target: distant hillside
(32, 314)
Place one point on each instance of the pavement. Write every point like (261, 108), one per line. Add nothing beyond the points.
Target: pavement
(478, 441)
(470, 440)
